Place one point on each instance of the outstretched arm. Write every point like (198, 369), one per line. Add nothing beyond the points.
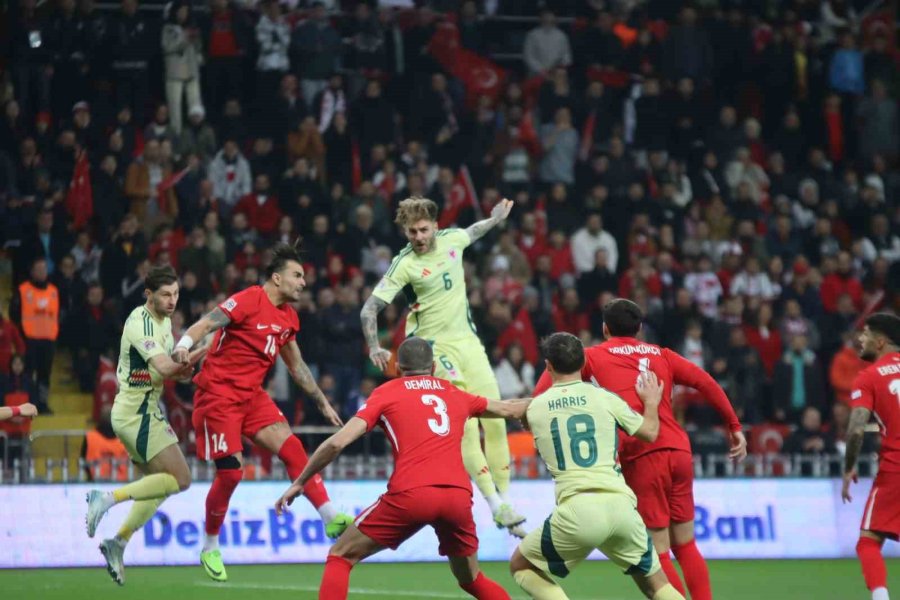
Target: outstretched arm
(498, 214)
(25, 410)
(214, 320)
(859, 417)
(506, 409)
(369, 317)
(321, 458)
(304, 379)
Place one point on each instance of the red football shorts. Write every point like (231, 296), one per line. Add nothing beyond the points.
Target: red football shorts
(663, 482)
(882, 512)
(220, 422)
(396, 517)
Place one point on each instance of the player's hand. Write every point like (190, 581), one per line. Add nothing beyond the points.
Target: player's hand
(738, 451)
(650, 388)
(181, 356)
(288, 497)
(330, 414)
(501, 209)
(28, 410)
(850, 477)
(380, 357)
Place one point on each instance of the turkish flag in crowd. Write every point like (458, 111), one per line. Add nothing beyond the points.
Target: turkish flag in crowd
(480, 76)
(462, 195)
(80, 198)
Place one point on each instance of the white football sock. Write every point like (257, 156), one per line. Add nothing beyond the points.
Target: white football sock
(328, 512)
(880, 594)
(210, 542)
(494, 502)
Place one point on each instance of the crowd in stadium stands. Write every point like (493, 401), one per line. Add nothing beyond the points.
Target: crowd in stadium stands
(732, 168)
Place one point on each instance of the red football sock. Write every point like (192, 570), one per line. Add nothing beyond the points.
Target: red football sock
(294, 458)
(668, 567)
(485, 589)
(874, 571)
(217, 499)
(336, 578)
(696, 575)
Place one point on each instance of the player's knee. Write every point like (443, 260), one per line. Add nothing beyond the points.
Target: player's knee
(344, 552)
(184, 481)
(228, 462)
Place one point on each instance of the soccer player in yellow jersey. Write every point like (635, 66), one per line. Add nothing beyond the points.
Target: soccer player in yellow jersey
(144, 362)
(575, 427)
(429, 271)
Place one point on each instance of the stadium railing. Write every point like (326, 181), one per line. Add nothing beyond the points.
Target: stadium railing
(55, 457)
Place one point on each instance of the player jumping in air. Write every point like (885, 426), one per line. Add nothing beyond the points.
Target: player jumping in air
(876, 391)
(575, 427)
(137, 420)
(252, 327)
(430, 273)
(424, 418)
(661, 473)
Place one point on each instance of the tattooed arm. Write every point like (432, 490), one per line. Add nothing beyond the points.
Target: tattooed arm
(304, 379)
(213, 321)
(499, 213)
(369, 317)
(859, 417)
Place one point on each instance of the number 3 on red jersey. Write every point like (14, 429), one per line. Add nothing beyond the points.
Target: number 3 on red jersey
(441, 427)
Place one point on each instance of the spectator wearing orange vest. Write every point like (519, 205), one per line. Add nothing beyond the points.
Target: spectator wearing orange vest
(845, 366)
(104, 455)
(36, 309)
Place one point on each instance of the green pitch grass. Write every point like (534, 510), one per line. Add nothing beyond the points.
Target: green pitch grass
(732, 580)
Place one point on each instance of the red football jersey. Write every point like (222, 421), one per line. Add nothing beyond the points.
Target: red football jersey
(877, 388)
(615, 366)
(424, 418)
(243, 352)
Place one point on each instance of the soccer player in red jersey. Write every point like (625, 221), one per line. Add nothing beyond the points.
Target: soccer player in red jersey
(876, 391)
(424, 418)
(252, 327)
(661, 473)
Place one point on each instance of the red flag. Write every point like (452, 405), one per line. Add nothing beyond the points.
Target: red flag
(587, 136)
(166, 184)
(462, 195)
(80, 198)
(480, 76)
(355, 166)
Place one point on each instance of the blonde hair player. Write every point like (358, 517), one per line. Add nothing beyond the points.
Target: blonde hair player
(429, 270)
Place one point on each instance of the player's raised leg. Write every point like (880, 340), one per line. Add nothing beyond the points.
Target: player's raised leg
(466, 365)
(170, 462)
(278, 439)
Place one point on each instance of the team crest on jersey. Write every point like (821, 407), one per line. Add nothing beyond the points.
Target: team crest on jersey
(425, 272)
(229, 304)
(452, 254)
(276, 328)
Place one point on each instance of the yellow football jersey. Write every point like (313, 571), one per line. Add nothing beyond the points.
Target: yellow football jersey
(575, 426)
(435, 287)
(142, 338)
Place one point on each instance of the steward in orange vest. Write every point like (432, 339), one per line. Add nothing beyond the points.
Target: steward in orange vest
(40, 311)
(102, 450)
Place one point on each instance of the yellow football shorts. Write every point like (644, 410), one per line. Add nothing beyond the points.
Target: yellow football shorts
(145, 434)
(465, 364)
(605, 521)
